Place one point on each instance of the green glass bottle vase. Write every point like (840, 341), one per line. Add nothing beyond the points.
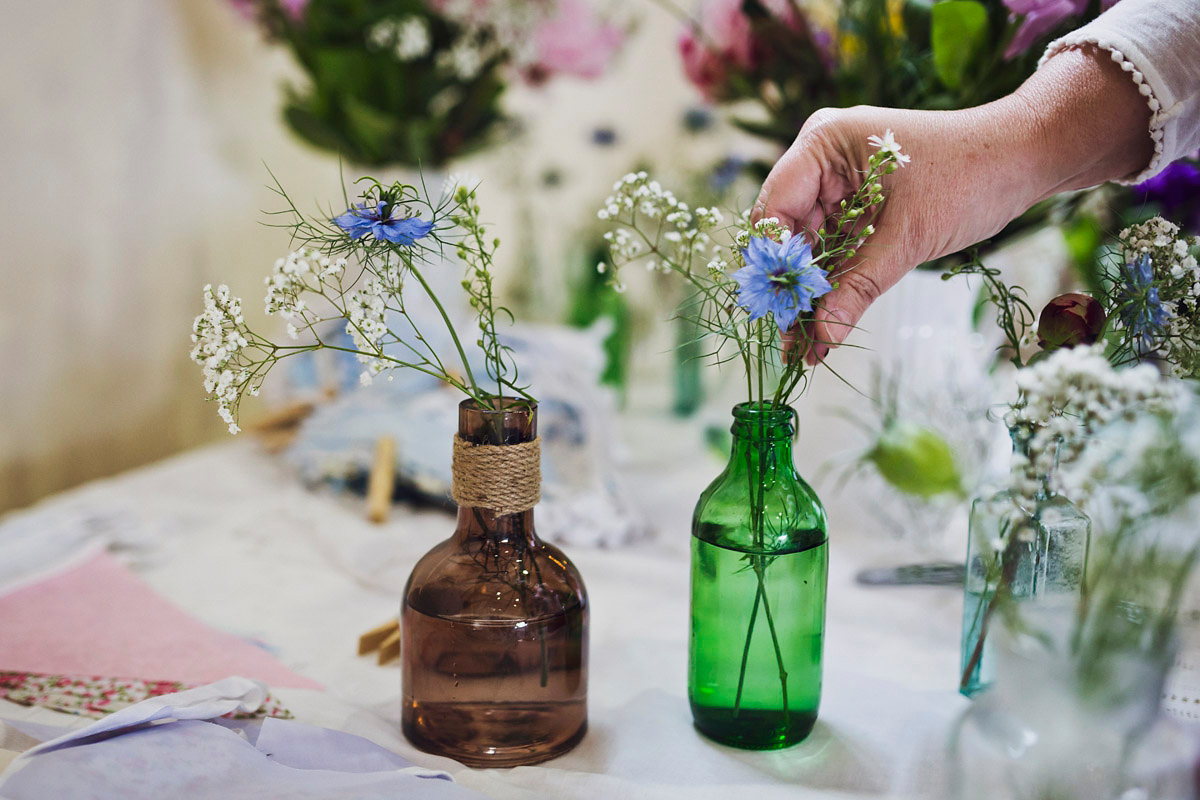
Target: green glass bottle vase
(759, 571)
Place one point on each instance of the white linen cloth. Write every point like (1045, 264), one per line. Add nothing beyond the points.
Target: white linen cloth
(238, 542)
(1158, 43)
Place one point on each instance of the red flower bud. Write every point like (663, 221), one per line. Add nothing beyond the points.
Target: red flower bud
(1070, 320)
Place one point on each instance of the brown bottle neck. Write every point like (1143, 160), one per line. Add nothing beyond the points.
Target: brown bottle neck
(509, 422)
(480, 523)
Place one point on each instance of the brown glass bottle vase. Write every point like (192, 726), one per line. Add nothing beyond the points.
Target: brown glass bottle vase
(494, 621)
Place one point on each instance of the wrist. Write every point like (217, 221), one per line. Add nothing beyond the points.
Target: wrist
(1082, 121)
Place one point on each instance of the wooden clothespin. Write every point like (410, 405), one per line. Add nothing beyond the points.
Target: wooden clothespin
(385, 639)
(382, 480)
(278, 429)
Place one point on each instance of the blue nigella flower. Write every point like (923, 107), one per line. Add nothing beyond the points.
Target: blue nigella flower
(383, 223)
(1142, 312)
(779, 278)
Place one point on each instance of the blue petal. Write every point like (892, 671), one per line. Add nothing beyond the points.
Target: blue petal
(754, 293)
(403, 231)
(797, 252)
(761, 252)
(786, 314)
(348, 220)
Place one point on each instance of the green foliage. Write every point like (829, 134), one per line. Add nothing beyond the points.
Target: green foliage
(592, 299)
(1014, 316)
(371, 108)
(958, 36)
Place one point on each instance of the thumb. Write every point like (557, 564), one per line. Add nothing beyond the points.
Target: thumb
(791, 193)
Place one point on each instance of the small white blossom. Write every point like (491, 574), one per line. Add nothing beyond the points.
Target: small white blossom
(1066, 398)
(220, 338)
(888, 145)
(412, 39)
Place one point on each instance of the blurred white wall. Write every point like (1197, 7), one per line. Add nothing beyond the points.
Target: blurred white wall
(133, 137)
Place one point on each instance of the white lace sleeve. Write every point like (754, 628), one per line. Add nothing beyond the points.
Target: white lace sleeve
(1158, 43)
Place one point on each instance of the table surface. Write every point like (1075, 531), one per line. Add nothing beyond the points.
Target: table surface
(227, 534)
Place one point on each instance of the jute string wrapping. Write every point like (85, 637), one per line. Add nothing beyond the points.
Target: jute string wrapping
(505, 479)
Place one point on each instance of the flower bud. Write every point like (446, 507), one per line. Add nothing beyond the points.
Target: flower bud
(915, 460)
(1070, 320)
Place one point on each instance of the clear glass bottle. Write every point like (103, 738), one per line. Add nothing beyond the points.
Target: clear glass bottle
(1050, 728)
(1044, 556)
(759, 571)
(495, 630)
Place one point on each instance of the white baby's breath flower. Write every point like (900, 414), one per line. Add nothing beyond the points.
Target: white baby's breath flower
(221, 340)
(412, 39)
(1065, 399)
(888, 144)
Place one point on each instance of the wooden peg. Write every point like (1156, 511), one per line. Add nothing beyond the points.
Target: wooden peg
(389, 651)
(382, 480)
(372, 639)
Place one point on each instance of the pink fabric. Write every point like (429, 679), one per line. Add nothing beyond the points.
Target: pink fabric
(98, 619)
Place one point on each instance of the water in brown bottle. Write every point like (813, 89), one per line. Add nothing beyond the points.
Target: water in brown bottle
(495, 631)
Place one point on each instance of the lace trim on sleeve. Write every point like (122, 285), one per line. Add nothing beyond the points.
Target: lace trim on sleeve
(1158, 118)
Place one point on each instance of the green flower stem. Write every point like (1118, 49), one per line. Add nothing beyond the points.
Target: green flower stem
(475, 390)
(307, 348)
(1009, 560)
(737, 700)
(762, 588)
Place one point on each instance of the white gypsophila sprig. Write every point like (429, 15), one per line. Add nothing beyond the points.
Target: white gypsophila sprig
(1160, 312)
(1064, 400)
(648, 217)
(222, 347)
(301, 272)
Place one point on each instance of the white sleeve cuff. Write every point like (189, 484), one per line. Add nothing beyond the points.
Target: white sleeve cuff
(1156, 42)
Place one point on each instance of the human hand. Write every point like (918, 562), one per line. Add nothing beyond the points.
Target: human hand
(1078, 121)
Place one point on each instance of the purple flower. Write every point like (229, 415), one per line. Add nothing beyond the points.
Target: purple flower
(1176, 190)
(1039, 18)
(383, 223)
(780, 279)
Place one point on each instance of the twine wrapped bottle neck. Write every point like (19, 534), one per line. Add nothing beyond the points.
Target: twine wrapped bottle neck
(504, 479)
(497, 457)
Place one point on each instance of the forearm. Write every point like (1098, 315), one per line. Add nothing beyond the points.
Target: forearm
(1082, 120)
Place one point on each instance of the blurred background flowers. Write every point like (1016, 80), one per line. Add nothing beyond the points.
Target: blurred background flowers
(158, 135)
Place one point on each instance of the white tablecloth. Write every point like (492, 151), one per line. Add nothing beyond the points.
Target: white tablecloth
(228, 535)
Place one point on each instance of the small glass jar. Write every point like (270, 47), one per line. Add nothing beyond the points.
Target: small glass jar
(1050, 729)
(1024, 553)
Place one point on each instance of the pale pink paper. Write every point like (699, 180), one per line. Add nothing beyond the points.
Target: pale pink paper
(98, 619)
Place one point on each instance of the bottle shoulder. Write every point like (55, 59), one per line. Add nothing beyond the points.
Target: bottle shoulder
(779, 515)
(487, 579)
